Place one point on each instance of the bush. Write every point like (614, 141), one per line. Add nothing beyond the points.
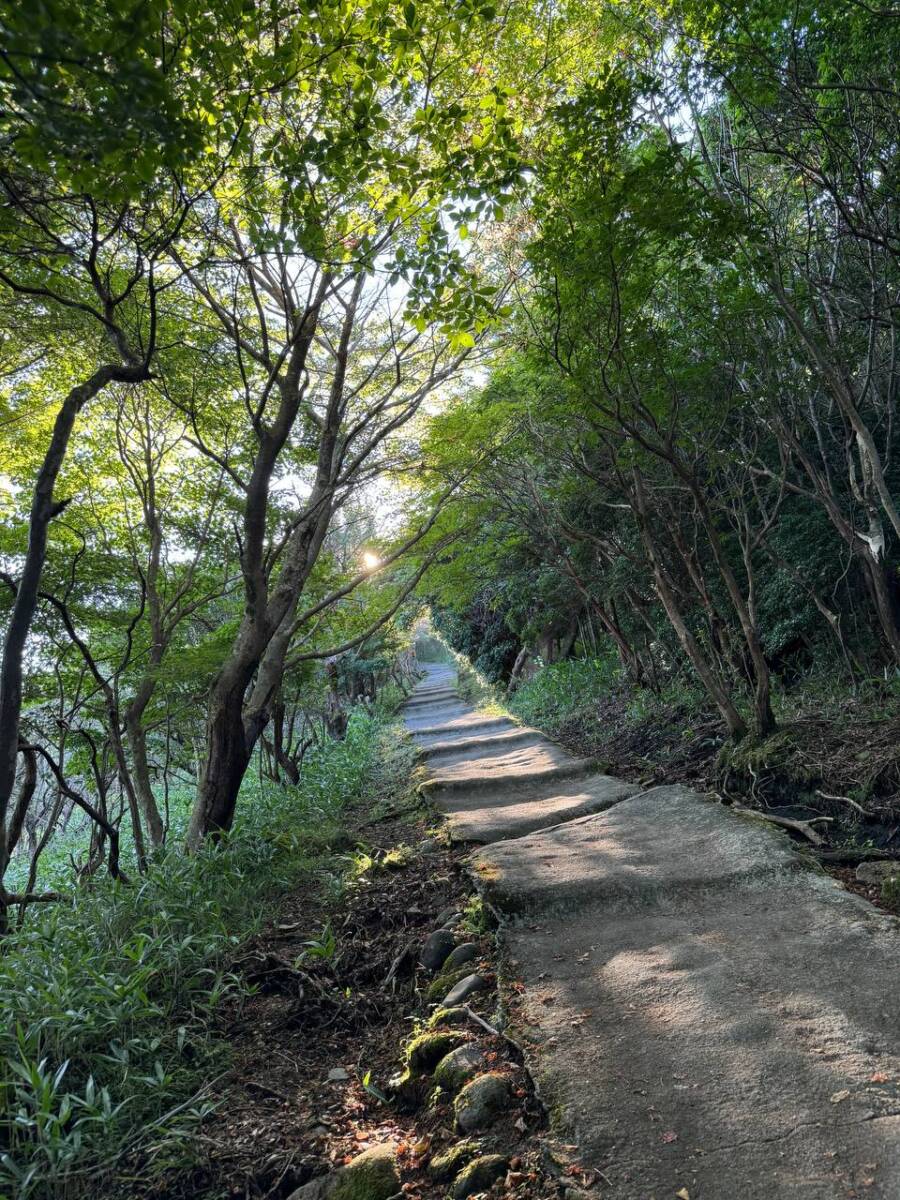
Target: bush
(559, 691)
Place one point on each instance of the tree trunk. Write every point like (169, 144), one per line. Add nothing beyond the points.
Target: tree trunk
(227, 755)
(762, 705)
(137, 743)
(882, 599)
(43, 510)
(735, 722)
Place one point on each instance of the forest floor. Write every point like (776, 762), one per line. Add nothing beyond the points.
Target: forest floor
(338, 995)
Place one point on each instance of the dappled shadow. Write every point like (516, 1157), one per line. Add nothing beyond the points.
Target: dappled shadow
(738, 1043)
(712, 1018)
(663, 838)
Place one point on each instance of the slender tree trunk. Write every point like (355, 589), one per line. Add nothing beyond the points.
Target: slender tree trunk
(143, 787)
(43, 509)
(734, 721)
(762, 703)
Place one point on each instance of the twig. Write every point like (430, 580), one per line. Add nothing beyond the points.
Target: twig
(845, 800)
(473, 1016)
(804, 828)
(405, 953)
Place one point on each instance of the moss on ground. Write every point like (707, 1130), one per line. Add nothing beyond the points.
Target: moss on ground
(439, 988)
(425, 1051)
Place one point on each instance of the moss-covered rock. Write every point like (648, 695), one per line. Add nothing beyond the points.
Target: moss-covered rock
(439, 988)
(425, 1051)
(437, 949)
(481, 1102)
(466, 953)
(407, 1090)
(372, 1175)
(448, 1018)
(458, 1067)
(468, 986)
(479, 1175)
(446, 1166)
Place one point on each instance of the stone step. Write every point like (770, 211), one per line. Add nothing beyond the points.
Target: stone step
(512, 735)
(506, 774)
(668, 838)
(463, 727)
(438, 698)
(492, 815)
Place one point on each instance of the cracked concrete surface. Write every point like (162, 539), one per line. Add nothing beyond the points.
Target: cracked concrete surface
(701, 1009)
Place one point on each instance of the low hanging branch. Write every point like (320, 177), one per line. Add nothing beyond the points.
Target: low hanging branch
(407, 589)
(85, 805)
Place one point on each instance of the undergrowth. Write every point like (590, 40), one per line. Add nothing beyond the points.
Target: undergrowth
(836, 748)
(108, 1055)
(560, 691)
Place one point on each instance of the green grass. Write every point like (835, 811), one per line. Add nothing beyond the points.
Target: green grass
(107, 1052)
(563, 689)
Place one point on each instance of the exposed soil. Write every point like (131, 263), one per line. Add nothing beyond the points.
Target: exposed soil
(280, 1119)
(842, 750)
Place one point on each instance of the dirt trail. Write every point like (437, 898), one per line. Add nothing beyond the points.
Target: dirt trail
(708, 1015)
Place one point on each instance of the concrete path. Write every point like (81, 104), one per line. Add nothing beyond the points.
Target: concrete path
(495, 779)
(707, 1015)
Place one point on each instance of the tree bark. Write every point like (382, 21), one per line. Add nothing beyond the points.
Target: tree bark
(43, 509)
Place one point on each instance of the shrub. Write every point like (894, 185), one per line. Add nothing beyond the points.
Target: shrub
(558, 691)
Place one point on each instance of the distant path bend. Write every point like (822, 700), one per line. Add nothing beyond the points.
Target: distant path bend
(702, 1010)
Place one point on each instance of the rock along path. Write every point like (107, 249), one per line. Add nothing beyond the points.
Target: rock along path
(708, 1015)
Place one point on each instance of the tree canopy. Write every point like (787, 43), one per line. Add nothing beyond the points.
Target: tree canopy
(576, 322)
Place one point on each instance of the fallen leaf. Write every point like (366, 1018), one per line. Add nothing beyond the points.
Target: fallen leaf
(878, 1077)
(684, 1194)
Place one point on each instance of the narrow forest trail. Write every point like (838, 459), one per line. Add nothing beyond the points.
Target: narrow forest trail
(707, 1015)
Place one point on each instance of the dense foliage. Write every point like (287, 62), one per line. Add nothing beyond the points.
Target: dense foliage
(577, 321)
(109, 1045)
(695, 452)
